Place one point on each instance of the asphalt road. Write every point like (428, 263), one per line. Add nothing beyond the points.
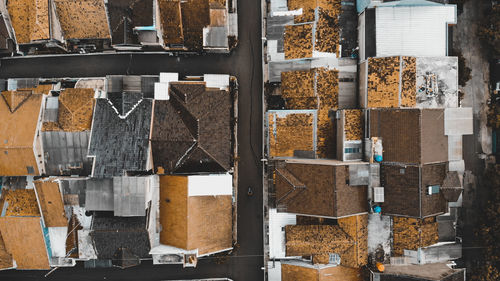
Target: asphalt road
(244, 63)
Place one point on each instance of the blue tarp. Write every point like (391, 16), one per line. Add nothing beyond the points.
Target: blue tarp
(151, 27)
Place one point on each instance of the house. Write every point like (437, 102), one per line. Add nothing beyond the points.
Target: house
(34, 22)
(294, 270)
(413, 190)
(119, 139)
(316, 90)
(349, 124)
(124, 17)
(426, 272)
(7, 41)
(124, 240)
(22, 149)
(420, 27)
(413, 234)
(323, 188)
(325, 243)
(67, 121)
(409, 136)
(83, 21)
(197, 25)
(196, 218)
(315, 31)
(22, 230)
(408, 81)
(192, 126)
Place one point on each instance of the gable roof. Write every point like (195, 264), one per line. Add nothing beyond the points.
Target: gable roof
(30, 20)
(114, 233)
(192, 131)
(171, 21)
(348, 239)
(83, 19)
(318, 190)
(20, 203)
(75, 107)
(120, 143)
(51, 203)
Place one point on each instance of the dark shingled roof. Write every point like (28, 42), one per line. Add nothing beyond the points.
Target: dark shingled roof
(452, 187)
(124, 15)
(192, 130)
(111, 234)
(119, 143)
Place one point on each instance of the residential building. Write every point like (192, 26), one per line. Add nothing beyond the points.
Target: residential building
(349, 125)
(67, 121)
(406, 81)
(192, 128)
(323, 188)
(419, 27)
(196, 218)
(22, 149)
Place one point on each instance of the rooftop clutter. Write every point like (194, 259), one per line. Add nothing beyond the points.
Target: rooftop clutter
(106, 205)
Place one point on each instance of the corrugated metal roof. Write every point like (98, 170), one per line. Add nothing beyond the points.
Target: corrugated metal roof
(66, 153)
(51, 109)
(129, 196)
(99, 195)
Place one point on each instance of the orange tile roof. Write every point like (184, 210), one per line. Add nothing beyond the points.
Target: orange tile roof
(411, 233)
(353, 126)
(171, 21)
(19, 109)
(21, 203)
(5, 257)
(83, 19)
(76, 106)
(298, 41)
(24, 240)
(51, 203)
(30, 19)
(295, 131)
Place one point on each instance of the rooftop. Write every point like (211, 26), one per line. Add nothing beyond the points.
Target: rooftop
(124, 15)
(30, 20)
(51, 203)
(83, 19)
(432, 271)
(20, 203)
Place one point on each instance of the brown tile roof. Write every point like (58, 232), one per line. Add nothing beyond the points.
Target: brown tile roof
(348, 239)
(411, 234)
(327, 28)
(24, 240)
(194, 222)
(289, 133)
(307, 6)
(83, 19)
(21, 203)
(171, 21)
(51, 203)
(452, 187)
(30, 19)
(125, 15)
(326, 192)
(76, 106)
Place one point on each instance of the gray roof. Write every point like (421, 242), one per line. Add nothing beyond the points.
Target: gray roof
(99, 195)
(66, 153)
(130, 196)
(216, 37)
(132, 83)
(120, 143)
(75, 186)
(51, 109)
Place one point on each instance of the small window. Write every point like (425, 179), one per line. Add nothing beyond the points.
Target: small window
(433, 189)
(30, 170)
(334, 259)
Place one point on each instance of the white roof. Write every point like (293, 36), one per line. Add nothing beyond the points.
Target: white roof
(458, 121)
(413, 30)
(210, 185)
(277, 222)
(220, 81)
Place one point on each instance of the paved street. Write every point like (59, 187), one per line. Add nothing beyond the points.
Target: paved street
(244, 63)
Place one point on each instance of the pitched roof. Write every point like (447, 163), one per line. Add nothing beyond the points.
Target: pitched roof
(348, 239)
(19, 109)
(322, 190)
(75, 106)
(292, 270)
(124, 15)
(113, 233)
(291, 132)
(51, 203)
(30, 20)
(194, 222)
(452, 186)
(21, 203)
(411, 233)
(83, 19)
(5, 257)
(171, 21)
(120, 135)
(24, 240)
(192, 131)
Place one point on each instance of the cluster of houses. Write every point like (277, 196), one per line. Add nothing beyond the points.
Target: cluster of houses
(66, 26)
(114, 170)
(364, 141)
